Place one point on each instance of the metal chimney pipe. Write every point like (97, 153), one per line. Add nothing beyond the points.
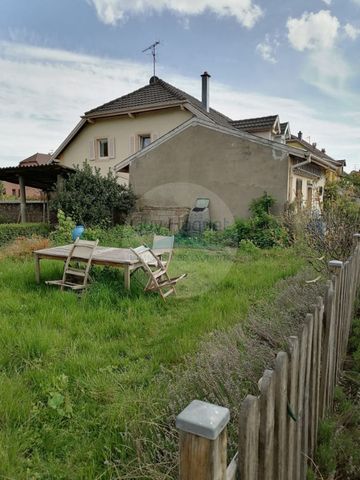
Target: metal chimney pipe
(205, 90)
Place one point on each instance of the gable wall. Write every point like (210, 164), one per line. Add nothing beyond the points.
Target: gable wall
(124, 130)
(200, 162)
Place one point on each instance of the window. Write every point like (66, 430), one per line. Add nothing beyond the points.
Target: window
(144, 141)
(298, 192)
(13, 192)
(103, 148)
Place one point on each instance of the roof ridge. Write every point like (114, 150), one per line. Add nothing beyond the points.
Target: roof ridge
(255, 118)
(119, 98)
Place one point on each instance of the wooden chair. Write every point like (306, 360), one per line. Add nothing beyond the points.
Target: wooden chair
(76, 277)
(164, 244)
(159, 280)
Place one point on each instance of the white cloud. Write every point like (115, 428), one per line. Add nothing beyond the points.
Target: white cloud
(351, 31)
(44, 92)
(268, 49)
(328, 2)
(111, 12)
(328, 71)
(313, 31)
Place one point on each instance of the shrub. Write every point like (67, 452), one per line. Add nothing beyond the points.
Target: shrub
(11, 231)
(62, 233)
(91, 199)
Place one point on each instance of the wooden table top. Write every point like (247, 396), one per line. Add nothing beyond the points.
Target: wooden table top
(102, 255)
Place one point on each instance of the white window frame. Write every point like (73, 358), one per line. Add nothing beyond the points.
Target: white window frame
(98, 143)
(141, 138)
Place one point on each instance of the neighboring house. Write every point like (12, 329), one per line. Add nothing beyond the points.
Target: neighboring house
(174, 148)
(319, 169)
(13, 189)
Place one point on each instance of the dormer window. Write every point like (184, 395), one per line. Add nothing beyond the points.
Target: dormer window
(103, 148)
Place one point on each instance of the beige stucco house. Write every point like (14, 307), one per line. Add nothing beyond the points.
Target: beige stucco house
(229, 166)
(174, 148)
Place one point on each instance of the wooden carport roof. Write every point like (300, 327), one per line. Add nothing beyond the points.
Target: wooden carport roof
(43, 177)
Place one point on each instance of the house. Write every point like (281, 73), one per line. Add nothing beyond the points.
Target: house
(13, 189)
(111, 132)
(174, 148)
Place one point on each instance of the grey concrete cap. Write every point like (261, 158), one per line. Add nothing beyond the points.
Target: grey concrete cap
(335, 263)
(203, 419)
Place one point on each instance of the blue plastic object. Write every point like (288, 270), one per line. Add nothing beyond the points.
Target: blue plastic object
(77, 232)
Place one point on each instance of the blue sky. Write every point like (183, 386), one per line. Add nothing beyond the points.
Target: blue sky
(299, 59)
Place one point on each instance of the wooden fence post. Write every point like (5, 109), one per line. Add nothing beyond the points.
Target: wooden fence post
(203, 441)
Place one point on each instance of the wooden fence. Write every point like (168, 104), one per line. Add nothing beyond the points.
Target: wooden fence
(278, 429)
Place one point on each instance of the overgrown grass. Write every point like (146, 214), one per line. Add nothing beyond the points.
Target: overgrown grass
(76, 374)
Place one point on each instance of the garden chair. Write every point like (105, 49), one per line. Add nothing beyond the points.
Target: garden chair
(76, 277)
(165, 244)
(159, 280)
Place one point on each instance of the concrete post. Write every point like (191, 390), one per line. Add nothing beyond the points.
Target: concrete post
(203, 441)
(335, 266)
(22, 199)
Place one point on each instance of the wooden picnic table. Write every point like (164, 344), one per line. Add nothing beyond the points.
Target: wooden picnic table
(109, 256)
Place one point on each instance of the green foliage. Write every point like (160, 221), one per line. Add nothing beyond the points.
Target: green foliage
(92, 199)
(261, 205)
(11, 231)
(326, 452)
(62, 233)
(262, 229)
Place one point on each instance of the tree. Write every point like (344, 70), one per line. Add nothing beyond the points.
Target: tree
(92, 199)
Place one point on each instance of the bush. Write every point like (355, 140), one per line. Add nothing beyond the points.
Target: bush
(91, 199)
(11, 231)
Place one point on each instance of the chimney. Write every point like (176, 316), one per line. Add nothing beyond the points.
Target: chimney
(205, 91)
(323, 150)
(300, 135)
(314, 144)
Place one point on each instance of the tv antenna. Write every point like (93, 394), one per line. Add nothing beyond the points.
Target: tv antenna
(153, 53)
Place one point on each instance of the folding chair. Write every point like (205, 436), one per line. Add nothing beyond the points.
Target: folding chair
(156, 270)
(165, 245)
(75, 277)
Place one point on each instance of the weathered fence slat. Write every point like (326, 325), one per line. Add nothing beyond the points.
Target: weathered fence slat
(293, 385)
(301, 461)
(281, 424)
(267, 421)
(248, 459)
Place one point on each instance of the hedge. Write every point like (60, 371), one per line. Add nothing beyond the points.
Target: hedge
(11, 231)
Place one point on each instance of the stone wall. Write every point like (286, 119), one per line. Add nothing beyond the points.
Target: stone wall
(10, 211)
(173, 218)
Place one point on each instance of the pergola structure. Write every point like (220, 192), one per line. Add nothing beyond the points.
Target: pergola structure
(46, 177)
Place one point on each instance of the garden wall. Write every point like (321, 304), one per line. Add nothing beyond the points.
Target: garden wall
(10, 211)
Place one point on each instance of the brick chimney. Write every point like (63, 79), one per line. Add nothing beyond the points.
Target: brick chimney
(205, 90)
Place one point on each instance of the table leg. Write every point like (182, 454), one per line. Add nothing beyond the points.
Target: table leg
(37, 269)
(127, 277)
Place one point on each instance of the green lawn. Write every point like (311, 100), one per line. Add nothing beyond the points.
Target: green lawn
(77, 373)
